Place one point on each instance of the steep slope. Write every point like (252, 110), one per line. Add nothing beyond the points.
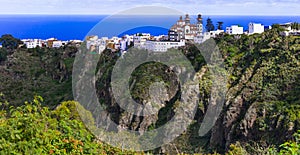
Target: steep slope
(263, 96)
(28, 72)
(262, 101)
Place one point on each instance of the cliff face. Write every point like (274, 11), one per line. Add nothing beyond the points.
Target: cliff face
(146, 80)
(261, 107)
(263, 96)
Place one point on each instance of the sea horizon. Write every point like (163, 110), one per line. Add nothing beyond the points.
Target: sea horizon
(77, 26)
(21, 14)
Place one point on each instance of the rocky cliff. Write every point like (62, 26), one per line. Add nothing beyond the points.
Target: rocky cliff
(260, 110)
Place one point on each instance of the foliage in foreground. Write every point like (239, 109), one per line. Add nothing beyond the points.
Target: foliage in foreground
(33, 129)
(291, 147)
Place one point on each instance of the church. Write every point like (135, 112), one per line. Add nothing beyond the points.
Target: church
(184, 29)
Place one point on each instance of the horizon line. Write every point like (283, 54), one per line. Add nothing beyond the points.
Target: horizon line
(97, 14)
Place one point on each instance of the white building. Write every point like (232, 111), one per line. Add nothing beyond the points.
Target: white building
(32, 43)
(116, 40)
(139, 40)
(163, 46)
(76, 41)
(57, 44)
(213, 34)
(160, 37)
(234, 29)
(286, 26)
(289, 30)
(91, 41)
(54, 43)
(101, 44)
(200, 38)
(129, 39)
(256, 28)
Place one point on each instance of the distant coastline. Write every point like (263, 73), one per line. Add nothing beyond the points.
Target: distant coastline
(70, 27)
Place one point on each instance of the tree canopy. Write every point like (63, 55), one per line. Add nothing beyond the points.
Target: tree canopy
(34, 129)
(220, 25)
(295, 26)
(209, 25)
(3, 54)
(10, 42)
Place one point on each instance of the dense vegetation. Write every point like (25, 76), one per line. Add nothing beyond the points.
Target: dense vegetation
(263, 97)
(261, 114)
(34, 129)
(28, 72)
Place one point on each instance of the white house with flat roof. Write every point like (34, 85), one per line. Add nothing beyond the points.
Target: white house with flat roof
(94, 41)
(214, 34)
(32, 43)
(287, 26)
(57, 44)
(200, 38)
(234, 29)
(163, 46)
(289, 30)
(116, 40)
(129, 39)
(256, 28)
(139, 40)
(91, 41)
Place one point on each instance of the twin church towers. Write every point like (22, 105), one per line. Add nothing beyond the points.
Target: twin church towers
(184, 29)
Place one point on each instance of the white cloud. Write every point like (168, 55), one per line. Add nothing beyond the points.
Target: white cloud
(223, 7)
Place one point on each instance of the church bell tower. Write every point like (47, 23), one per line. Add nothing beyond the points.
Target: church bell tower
(200, 23)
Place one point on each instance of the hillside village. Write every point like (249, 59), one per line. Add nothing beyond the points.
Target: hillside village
(51, 43)
(181, 32)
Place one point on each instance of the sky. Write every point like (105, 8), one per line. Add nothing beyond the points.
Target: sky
(108, 7)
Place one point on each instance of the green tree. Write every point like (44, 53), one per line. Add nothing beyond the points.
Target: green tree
(220, 25)
(278, 27)
(291, 147)
(8, 41)
(34, 129)
(209, 25)
(3, 54)
(295, 26)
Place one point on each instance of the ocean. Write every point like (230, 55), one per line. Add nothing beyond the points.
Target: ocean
(69, 27)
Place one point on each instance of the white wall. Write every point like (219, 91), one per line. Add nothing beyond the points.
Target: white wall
(33, 43)
(57, 44)
(256, 28)
(200, 38)
(140, 41)
(234, 29)
(163, 46)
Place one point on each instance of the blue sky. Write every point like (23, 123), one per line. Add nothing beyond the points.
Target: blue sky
(208, 7)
